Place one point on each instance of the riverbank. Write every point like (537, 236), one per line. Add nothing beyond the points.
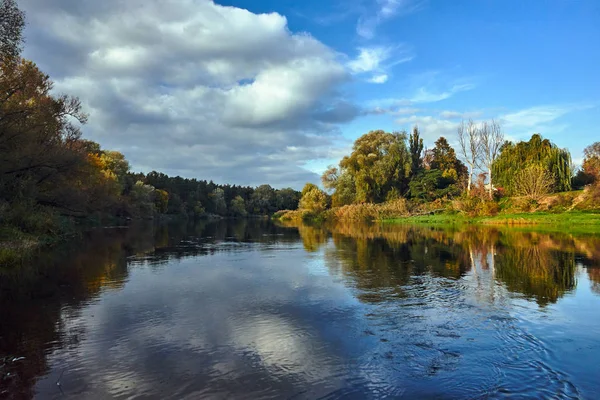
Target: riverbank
(573, 221)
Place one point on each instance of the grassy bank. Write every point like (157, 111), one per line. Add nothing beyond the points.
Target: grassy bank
(571, 221)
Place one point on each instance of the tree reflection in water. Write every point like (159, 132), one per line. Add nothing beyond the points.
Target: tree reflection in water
(540, 266)
(40, 303)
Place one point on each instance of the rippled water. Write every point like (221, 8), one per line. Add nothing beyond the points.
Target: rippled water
(248, 309)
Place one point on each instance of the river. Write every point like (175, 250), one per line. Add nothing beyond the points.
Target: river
(250, 309)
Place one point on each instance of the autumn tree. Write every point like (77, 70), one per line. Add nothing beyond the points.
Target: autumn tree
(40, 145)
(330, 177)
(313, 199)
(591, 161)
(342, 185)
(161, 201)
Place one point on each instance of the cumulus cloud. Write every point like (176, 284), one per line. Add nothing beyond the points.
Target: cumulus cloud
(194, 88)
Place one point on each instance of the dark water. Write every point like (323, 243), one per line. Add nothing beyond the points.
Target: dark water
(248, 309)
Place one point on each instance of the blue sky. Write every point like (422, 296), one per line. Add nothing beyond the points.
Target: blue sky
(533, 61)
(272, 91)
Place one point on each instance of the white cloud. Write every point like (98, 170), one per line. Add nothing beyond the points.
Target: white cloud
(544, 119)
(369, 59)
(377, 60)
(382, 78)
(194, 88)
(517, 125)
(459, 114)
(431, 128)
(384, 10)
(534, 116)
(424, 95)
(406, 111)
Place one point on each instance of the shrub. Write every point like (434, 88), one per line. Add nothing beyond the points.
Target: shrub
(533, 182)
(476, 206)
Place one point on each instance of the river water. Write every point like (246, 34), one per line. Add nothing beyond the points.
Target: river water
(249, 309)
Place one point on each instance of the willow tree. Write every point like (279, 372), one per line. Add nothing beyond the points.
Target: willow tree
(537, 151)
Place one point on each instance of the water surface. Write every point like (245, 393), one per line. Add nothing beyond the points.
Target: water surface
(248, 309)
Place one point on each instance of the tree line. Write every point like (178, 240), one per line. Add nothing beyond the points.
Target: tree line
(47, 170)
(384, 167)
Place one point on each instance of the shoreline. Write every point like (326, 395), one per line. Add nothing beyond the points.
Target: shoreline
(574, 221)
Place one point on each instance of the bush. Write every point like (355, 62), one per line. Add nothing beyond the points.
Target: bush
(476, 206)
(590, 198)
(533, 182)
(369, 211)
(525, 204)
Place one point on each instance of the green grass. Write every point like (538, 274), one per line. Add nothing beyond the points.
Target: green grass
(573, 221)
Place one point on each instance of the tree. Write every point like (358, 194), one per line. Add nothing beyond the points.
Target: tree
(591, 161)
(161, 201)
(238, 207)
(218, 200)
(330, 177)
(537, 151)
(142, 199)
(41, 154)
(378, 163)
(533, 182)
(287, 199)
(12, 22)
(443, 157)
(313, 199)
(416, 150)
(431, 184)
(492, 139)
(263, 200)
(469, 140)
